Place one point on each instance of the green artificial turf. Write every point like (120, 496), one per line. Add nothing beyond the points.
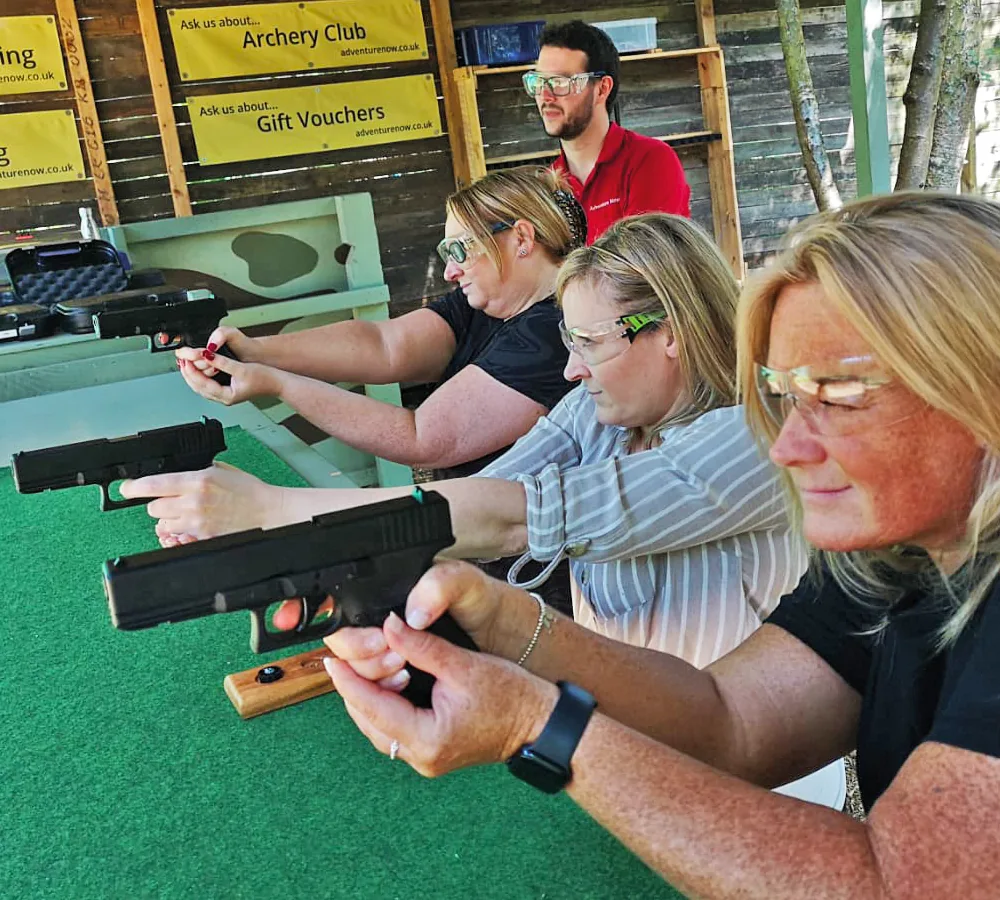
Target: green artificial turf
(126, 773)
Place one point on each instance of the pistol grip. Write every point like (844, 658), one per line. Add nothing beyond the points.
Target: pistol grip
(224, 378)
(418, 691)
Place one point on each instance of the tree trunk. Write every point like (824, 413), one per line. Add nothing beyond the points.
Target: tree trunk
(957, 97)
(805, 107)
(921, 95)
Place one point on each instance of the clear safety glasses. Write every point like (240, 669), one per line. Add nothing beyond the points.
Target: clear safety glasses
(831, 402)
(558, 85)
(598, 343)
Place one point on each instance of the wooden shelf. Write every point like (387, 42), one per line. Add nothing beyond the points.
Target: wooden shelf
(653, 54)
(680, 139)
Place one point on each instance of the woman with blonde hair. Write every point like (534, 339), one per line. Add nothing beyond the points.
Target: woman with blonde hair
(491, 346)
(869, 360)
(646, 476)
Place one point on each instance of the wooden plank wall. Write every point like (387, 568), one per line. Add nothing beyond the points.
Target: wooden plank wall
(409, 181)
(657, 97)
(40, 209)
(770, 179)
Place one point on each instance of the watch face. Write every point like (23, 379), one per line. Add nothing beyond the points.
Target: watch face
(538, 771)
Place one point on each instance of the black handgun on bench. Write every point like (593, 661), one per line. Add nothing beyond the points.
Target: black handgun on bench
(179, 448)
(365, 560)
(170, 317)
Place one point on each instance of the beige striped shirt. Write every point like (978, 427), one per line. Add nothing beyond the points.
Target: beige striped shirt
(685, 548)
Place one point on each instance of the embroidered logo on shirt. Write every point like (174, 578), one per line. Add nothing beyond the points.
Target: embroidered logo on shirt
(606, 203)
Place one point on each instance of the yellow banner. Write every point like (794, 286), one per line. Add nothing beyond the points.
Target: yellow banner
(228, 41)
(288, 121)
(39, 148)
(30, 55)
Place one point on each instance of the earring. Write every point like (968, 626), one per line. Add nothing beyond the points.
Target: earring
(522, 252)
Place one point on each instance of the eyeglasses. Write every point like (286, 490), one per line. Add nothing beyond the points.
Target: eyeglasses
(602, 341)
(830, 404)
(462, 249)
(558, 85)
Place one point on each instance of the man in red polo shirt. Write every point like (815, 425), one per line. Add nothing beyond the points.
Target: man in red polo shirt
(614, 172)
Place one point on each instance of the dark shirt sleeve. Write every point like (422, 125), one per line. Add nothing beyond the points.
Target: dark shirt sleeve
(528, 355)
(658, 184)
(970, 717)
(454, 309)
(831, 624)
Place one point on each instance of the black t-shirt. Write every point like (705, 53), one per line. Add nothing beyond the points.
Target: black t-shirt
(911, 692)
(525, 353)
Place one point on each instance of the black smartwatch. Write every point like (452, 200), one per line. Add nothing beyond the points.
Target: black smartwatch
(544, 764)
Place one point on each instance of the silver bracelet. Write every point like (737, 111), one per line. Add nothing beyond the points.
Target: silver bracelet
(542, 621)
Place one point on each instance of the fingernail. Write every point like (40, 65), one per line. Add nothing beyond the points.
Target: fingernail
(208, 354)
(417, 619)
(400, 680)
(375, 643)
(328, 665)
(211, 348)
(392, 660)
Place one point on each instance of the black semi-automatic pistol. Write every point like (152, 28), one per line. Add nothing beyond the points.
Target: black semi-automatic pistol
(348, 568)
(170, 317)
(179, 448)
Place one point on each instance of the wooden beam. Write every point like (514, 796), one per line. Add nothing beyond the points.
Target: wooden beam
(153, 46)
(721, 168)
(444, 44)
(472, 132)
(93, 140)
(705, 10)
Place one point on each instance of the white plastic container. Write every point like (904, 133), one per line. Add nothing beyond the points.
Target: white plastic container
(630, 35)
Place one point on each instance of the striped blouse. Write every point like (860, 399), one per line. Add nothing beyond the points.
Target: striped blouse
(685, 548)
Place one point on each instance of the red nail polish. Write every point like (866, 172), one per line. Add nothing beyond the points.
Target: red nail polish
(209, 355)
(211, 348)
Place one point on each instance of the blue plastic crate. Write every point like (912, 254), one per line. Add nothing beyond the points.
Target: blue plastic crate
(499, 45)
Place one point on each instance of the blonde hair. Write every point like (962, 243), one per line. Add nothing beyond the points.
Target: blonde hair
(658, 262)
(916, 274)
(532, 193)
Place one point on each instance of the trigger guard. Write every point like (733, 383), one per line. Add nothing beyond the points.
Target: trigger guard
(310, 610)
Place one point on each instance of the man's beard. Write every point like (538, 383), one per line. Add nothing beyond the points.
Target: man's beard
(572, 126)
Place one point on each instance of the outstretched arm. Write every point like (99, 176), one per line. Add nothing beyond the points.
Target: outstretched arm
(487, 513)
(415, 347)
(469, 416)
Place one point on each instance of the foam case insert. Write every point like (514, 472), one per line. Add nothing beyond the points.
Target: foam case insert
(51, 273)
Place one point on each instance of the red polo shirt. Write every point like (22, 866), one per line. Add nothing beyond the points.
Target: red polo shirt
(634, 174)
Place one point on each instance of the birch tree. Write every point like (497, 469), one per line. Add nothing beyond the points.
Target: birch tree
(921, 97)
(805, 107)
(939, 100)
(956, 100)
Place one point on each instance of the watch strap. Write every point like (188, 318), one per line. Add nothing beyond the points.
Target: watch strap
(566, 725)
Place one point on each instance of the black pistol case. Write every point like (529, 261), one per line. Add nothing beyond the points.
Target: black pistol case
(51, 273)
(25, 321)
